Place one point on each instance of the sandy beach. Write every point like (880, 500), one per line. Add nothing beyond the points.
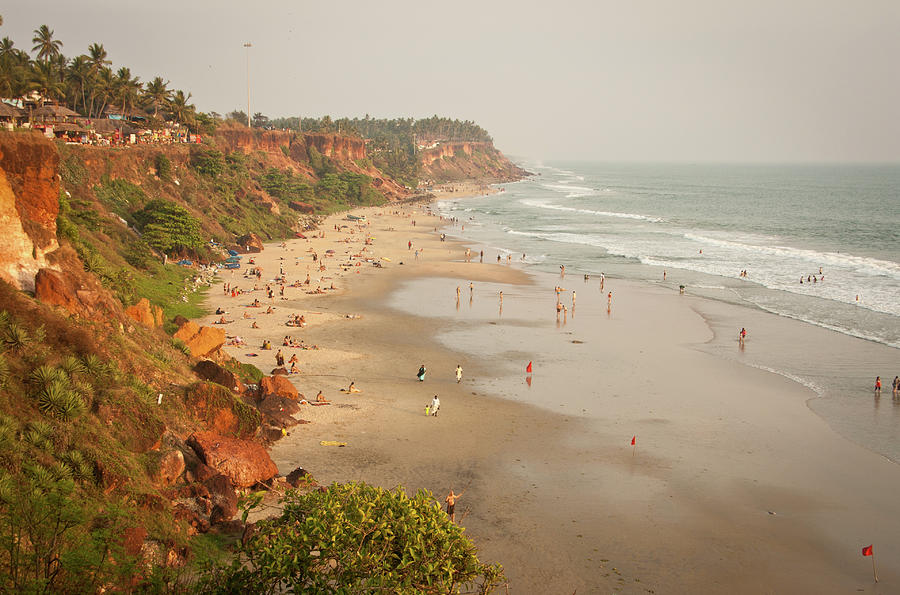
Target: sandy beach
(733, 486)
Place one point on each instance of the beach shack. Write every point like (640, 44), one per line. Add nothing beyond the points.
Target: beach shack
(11, 116)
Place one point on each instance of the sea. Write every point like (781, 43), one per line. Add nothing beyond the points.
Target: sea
(818, 244)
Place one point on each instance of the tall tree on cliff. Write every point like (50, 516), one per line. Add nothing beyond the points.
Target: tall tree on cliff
(157, 93)
(44, 44)
(46, 78)
(182, 111)
(98, 60)
(78, 77)
(127, 90)
(104, 87)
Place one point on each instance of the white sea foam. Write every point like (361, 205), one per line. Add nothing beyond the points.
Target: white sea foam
(802, 381)
(554, 207)
(859, 263)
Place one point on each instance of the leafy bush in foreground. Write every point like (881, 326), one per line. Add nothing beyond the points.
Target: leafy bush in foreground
(356, 538)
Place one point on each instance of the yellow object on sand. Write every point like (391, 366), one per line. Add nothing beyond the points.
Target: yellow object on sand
(385, 258)
(332, 443)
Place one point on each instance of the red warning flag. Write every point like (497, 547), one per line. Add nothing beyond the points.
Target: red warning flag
(867, 551)
(528, 368)
(634, 441)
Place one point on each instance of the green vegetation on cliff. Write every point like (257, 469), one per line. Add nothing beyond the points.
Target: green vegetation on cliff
(356, 538)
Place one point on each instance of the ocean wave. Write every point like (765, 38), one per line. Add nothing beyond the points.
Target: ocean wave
(799, 380)
(862, 264)
(636, 216)
(570, 190)
(846, 330)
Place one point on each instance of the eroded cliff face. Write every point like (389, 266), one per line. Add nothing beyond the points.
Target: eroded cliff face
(458, 161)
(338, 147)
(29, 204)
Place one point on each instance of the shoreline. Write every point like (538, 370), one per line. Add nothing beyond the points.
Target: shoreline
(391, 442)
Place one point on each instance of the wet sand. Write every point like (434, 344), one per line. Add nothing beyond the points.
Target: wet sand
(554, 489)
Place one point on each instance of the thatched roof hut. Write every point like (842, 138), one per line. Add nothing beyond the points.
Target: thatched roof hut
(10, 112)
(55, 111)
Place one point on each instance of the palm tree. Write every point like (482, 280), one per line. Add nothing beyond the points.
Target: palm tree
(45, 78)
(127, 89)
(44, 44)
(104, 85)
(97, 60)
(79, 76)
(157, 93)
(182, 111)
(6, 47)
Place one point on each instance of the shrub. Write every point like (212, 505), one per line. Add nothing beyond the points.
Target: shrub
(209, 163)
(167, 226)
(163, 167)
(356, 538)
(121, 194)
(15, 337)
(39, 434)
(59, 400)
(71, 365)
(4, 372)
(43, 376)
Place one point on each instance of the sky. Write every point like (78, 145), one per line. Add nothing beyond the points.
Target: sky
(634, 80)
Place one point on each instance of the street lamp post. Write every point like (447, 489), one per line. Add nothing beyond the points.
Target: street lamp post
(248, 45)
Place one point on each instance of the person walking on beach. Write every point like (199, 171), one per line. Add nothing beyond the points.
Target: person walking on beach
(421, 373)
(408, 246)
(451, 503)
(481, 257)
(742, 335)
(895, 386)
(459, 374)
(608, 301)
(878, 386)
(435, 405)
(279, 359)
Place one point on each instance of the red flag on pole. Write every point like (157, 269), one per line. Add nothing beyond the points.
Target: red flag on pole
(867, 551)
(528, 368)
(634, 441)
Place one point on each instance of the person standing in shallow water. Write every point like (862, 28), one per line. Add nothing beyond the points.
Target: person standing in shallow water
(878, 386)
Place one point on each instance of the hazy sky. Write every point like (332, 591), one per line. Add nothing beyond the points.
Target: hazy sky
(660, 80)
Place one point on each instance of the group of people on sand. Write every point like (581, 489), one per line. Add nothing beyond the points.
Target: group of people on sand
(895, 386)
(296, 320)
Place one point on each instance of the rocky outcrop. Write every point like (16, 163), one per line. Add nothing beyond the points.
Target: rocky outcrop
(169, 467)
(223, 498)
(458, 161)
(278, 385)
(75, 292)
(145, 314)
(250, 243)
(296, 478)
(210, 370)
(29, 204)
(202, 340)
(244, 462)
(222, 412)
(303, 207)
